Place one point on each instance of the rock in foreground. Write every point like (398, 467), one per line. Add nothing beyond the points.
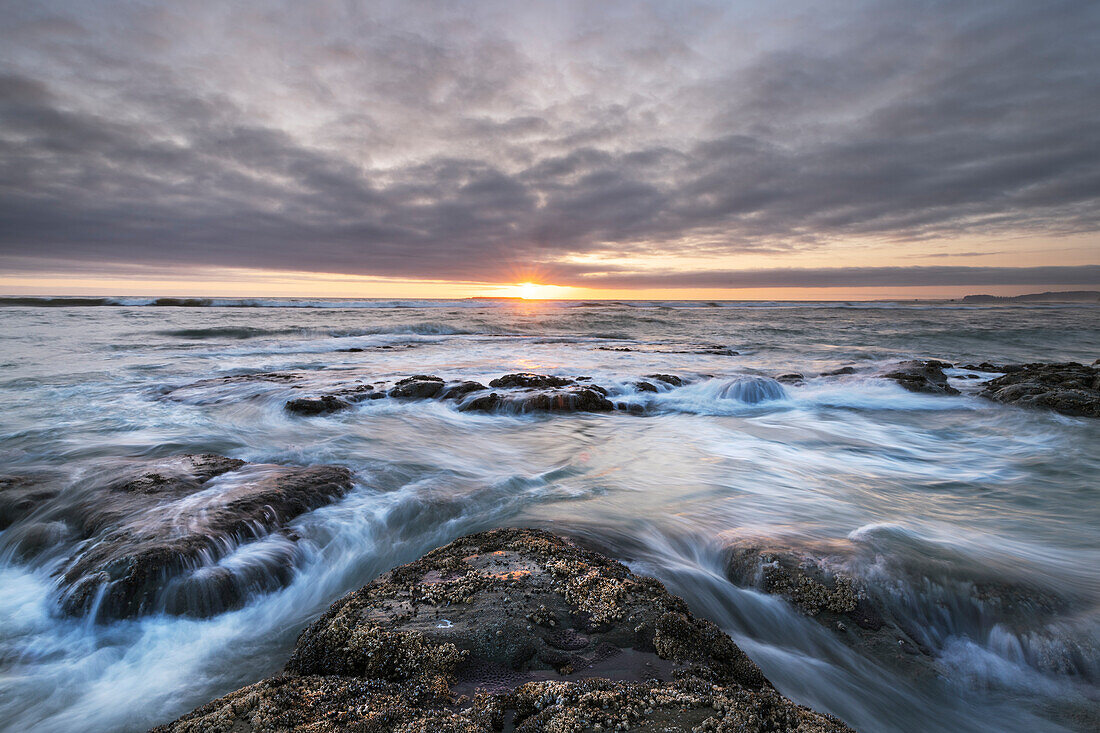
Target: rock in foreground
(510, 628)
(155, 534)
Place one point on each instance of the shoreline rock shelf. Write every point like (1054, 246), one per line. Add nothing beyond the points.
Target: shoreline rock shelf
(1070, 389)
(511, 629)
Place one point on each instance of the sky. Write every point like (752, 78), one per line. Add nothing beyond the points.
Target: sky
(919, 148)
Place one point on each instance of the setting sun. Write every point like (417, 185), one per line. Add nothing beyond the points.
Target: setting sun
(535, 291)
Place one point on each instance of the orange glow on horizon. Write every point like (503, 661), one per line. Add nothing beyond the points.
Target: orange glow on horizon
(535, 291)
(226, 283)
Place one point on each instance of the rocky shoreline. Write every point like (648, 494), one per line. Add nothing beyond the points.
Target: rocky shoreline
(1070, 389)
(511, 629)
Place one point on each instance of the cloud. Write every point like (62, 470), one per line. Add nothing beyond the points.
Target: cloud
(848, 277)
(431, 140)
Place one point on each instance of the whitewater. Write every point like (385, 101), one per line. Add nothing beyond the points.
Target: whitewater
(945, 506)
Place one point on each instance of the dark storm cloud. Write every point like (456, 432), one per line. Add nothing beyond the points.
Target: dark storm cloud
(468, 142)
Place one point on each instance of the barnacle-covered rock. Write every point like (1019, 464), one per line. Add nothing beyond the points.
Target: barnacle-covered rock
(514, 625)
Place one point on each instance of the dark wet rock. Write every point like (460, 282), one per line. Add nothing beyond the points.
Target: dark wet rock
(335, 401)
(161, 527)
(923, 376)
(709, 349)
(356, 393)
(793, 378)
(316, 405)
(985, 366)
(530, 381)
(645, 387)
(717, 351)
(458, 390)
(1069, 389)
(670, 379)
(515, 627)
(418, 387)
(574, 398)
(712, 349)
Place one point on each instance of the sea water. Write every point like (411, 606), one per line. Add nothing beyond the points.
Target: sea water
(932, 496)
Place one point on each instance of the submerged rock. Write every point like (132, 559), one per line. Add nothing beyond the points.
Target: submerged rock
(752, 390)
(923, 376)
(835, 599)
(1070, 388)
(21, 495)
(802, 580)
(903, 610)
(515, 627)
(154, 536)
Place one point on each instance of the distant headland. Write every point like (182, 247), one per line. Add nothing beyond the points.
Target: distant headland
(1065, 296)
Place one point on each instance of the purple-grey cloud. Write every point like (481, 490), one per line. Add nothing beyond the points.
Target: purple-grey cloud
(421, 140)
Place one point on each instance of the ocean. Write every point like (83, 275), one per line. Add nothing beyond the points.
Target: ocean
(975, 523)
